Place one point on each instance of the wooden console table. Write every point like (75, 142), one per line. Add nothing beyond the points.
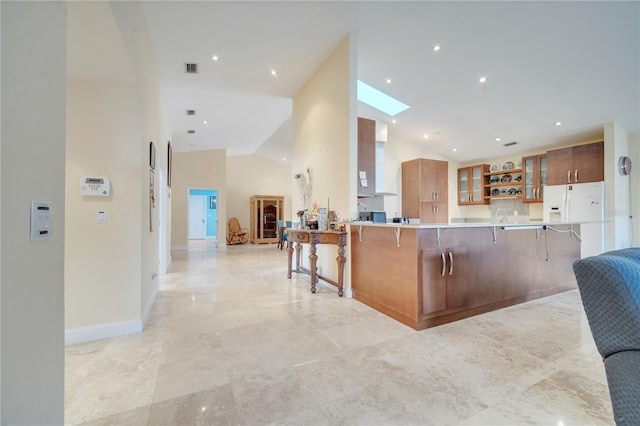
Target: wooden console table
(313, 237)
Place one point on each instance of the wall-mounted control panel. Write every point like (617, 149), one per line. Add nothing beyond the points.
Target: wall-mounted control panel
(95, 186)
(41, 220)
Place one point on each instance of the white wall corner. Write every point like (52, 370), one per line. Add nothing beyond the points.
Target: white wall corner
(147, 309)
(90, 333)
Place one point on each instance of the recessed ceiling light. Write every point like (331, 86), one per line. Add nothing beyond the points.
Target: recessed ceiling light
(436, 48)
(558, 123)
(388, 81)
(204, 122)
(454, 149)
(394, 121)
(274, 73)
(284, 158)
(426, 136)
(483, 79)
(215, 58)
(498, 139)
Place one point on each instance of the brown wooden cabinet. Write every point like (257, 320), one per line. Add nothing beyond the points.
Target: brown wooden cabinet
(472, 187)
(444, 280)
(576, 164)
(366, 157)
(265, 212)
(425, 190)
(534, 178)
(503, 184)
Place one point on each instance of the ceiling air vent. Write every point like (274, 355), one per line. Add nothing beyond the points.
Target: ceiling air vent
(510, 143)
(191, 112)
(191, 68)
(191, 132)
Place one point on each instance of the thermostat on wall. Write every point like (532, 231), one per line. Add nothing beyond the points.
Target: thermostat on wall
(95, 186)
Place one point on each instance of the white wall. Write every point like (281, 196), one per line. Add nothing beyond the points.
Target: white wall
(34, 39)
(255, 175)
(197, 170)
(634, 153)
(617, 189)
(325, 141)
(103, 260)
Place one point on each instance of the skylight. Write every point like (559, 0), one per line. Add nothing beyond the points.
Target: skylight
(379, 100)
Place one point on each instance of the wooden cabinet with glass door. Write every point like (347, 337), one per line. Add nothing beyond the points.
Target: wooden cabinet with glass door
(471, 185)
(265, 212)
(534, 178)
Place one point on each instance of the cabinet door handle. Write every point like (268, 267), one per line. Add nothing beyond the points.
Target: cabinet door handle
(444, 264)
(437, 195)
(437, 208)
(450, 263)
(568, 176)
(575, 176)
(433, 195)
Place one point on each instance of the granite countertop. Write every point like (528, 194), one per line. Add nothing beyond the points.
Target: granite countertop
(523, 224)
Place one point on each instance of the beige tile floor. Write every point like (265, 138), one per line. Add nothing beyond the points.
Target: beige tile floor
(232, 341)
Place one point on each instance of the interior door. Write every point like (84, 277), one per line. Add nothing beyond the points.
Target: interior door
(197, 217)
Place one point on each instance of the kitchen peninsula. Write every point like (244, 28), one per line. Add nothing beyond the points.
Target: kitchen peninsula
(430, 274)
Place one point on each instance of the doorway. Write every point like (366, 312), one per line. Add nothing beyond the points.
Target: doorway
(203, 214)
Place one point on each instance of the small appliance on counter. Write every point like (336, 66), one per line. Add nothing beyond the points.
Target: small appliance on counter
(376, 217)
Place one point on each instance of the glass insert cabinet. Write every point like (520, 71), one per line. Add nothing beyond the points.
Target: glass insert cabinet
(471, 187)
(266, 210)
(535, 178)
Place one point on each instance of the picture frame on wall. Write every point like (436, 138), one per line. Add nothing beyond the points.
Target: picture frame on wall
(152, 156)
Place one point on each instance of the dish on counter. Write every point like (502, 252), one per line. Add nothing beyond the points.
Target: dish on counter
(506, 178)
(508, 165)
(494, 167)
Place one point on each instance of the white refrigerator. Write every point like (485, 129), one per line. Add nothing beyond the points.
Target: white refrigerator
(580, 202)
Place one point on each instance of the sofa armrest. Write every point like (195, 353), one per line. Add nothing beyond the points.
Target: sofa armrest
(623, 377)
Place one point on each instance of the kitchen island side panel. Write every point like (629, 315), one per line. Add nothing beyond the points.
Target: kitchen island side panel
(496, 267)
(383, 275)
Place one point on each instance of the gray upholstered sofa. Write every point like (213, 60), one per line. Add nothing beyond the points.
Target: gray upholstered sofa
(609, 286)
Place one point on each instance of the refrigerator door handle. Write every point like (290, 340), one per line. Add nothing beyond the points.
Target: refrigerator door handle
(568, 176)
(575, 176)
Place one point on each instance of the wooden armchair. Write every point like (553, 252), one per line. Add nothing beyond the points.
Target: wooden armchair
(236, 234)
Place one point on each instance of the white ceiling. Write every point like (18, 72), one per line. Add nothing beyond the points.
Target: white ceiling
(574, 62)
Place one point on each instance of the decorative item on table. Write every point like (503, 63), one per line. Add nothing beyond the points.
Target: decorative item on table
(506, 178)
(495, 191)
(508, 165)
(494, 179)
(494, 167)
(301, 220)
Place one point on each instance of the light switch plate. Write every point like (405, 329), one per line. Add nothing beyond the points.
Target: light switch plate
(41, 220)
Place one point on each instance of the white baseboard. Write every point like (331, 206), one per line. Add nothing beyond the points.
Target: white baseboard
(147, 309)
(178, 248)
(101, 331)
(348, 293)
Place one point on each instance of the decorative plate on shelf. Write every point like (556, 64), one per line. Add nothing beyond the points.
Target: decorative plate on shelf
(494, 179)
(495, 191)
(512, 191)
(518, 178)
(506, 178)
(507, 166)
(503, 191)
(494, 167)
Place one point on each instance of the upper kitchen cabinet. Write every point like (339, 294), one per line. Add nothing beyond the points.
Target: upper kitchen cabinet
(425, 184)
(534, 178)
(471, 185)
(576, 164)
(366, 157)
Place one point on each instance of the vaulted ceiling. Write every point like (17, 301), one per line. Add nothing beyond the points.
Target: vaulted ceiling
(577, 63)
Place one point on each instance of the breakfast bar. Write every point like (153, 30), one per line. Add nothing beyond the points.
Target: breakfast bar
(426, 275)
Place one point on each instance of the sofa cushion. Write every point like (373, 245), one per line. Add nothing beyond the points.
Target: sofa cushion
(623, 377)
(609, 286)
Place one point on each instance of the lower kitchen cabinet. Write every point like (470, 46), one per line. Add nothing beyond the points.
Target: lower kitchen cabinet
(444, 282)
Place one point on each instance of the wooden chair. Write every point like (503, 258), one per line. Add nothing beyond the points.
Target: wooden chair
(236, 234)
(282, 234)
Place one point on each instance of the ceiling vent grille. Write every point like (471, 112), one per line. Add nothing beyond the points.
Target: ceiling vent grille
(191, 68)
(191, 112)
(191, 132)
(510, 143)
